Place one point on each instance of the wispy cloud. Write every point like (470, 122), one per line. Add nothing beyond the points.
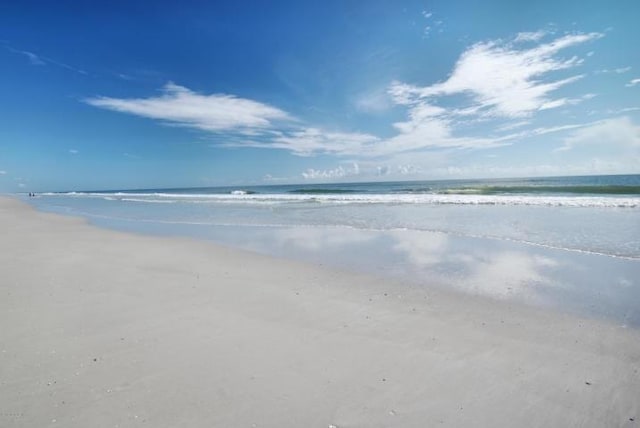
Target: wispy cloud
(621, 132)
(33, 58)
(632, 83)
(67, 66)
(530, 36)
(374, 101)
(310, 141)
(619, 70)
(360, 170)
(496, 81)
(504, 81)
(432, 25)
(242, 122)
(501, 78)
(3, 172)
(565, 102)
(513, 125)
(40, 60)
(73, 152)
(332, 174)
(180, 106)
(418, 133)
(534, 132)
(429, 127)
(397, 170)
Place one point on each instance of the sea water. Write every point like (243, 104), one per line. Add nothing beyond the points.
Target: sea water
(572, 243)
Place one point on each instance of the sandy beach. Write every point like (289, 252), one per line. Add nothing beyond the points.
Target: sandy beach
(107, 329)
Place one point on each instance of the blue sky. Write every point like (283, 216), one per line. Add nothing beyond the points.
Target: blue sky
(172, 94)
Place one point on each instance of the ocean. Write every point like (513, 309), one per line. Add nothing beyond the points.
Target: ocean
(569, 243)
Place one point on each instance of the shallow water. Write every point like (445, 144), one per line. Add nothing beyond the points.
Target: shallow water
(575, 252)
(569, 281)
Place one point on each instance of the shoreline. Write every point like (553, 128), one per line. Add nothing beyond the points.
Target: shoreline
(105, 328)
(583, 277)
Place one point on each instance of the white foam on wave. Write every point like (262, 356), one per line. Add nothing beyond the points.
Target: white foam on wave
(152, 201)
(429, 199)
(577, 201)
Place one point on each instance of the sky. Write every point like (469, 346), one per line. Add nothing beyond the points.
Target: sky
(126, 95)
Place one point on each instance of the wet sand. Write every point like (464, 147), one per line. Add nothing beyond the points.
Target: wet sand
(104, 329)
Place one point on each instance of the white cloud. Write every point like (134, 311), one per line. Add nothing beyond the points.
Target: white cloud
(633, 82)
(565, 102)
(533, 132)
(330, 174)
(619, 131)
(513, 125)
(244, 122)
(487, 169)
(428, 28)
(403, 93)
(313, 140)
(310, 141)
(3, 172)
(530, 36)
(365, 170)
(43, 60)
(33, 58)
(407, 169)
(73, 151)
(181, 106)
(495, 80)
(428, 127)
(269, 178)
(506, 80)
(620, 70)
(499, 80)
(67, 66)
(375, 101)
(553, 104)
(551, 129)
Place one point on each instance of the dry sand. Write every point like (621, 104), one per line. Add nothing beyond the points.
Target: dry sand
(106, 329)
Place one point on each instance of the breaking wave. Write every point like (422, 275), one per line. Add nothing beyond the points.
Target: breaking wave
(443, 198)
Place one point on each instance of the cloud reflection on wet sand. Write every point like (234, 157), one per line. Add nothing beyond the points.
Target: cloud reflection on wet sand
(509, 271)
